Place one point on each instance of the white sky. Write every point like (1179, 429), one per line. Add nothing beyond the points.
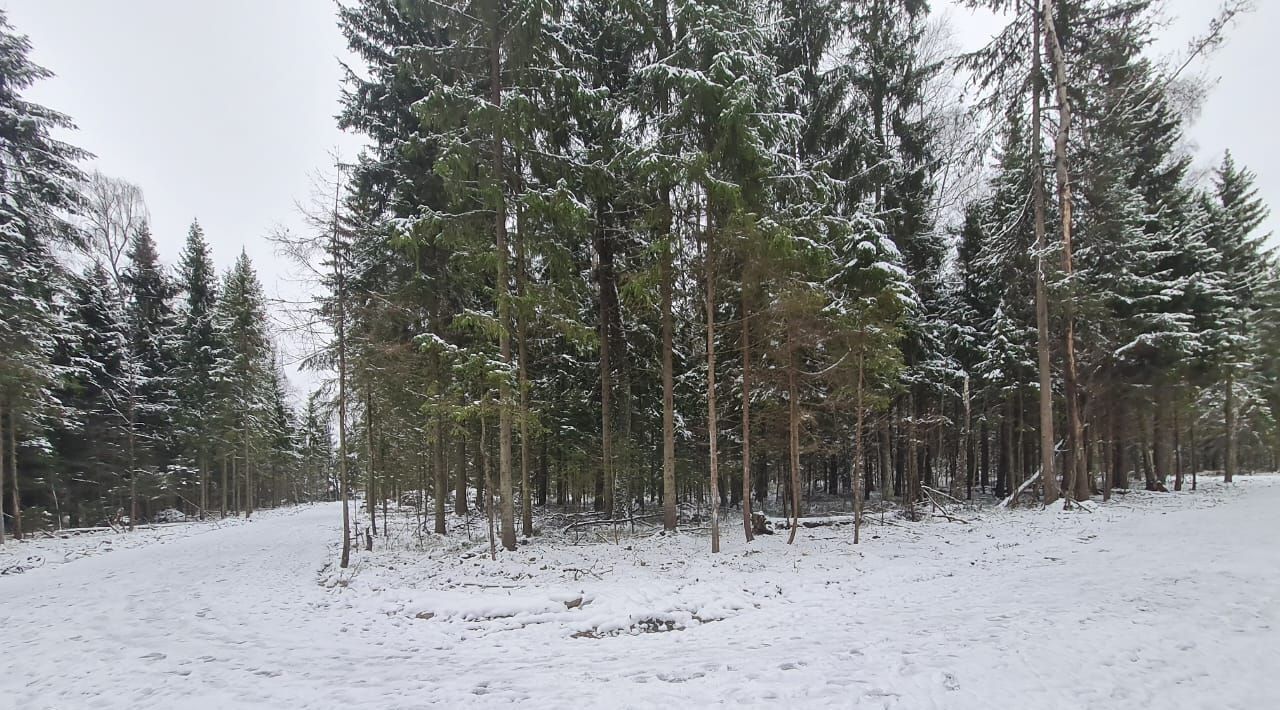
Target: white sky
(222, 110)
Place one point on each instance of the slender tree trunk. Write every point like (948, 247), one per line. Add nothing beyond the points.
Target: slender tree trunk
(746, 415)
(2, 460)
(223, 509)
(1048, 475)
(204, 482)
(441, 487)
(1177, 447)
(911, 494)
(1229, 412)
(669, 520)
(793, 420)
(712, 428)
(503, 295)
(340, 302)
(963, 452)
(132, 458)
(460, 490)
(248, 475)
(13, 468)
(1071, 381)
(1163, 434)
(371, 489)
(1117, 461)
(1194, 448)
(522, 280)
(606, 372)
(855, 478)
(488, 477)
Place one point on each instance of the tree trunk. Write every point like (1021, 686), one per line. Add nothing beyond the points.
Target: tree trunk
(1075, 475)
(488, 477)
(132, 457)
(441, 487)
(460, 491)
(1229, 407)
(793, 432)
(503, 296)
(1048, 475)
(1177, 448)
(669, 519)
(204, 482)
(341, 322)
(712, 428)
(223, 509)
(746, 415)
(13, 468)
(522, 349)
(855, 478)
(603, 266)
(2, 460)
(248, 475)
(371, 490)
(911, 492)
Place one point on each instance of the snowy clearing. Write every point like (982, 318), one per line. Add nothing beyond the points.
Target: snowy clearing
(1152, 600)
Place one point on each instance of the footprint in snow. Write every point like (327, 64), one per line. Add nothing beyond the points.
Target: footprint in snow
(153, 656)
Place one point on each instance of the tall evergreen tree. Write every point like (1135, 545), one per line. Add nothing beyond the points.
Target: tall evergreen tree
(38, 189)
(199, 349)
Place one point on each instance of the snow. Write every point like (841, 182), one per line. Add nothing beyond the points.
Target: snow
(1151, 600)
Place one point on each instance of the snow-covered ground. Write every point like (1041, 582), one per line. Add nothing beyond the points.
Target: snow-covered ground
(1151, 601)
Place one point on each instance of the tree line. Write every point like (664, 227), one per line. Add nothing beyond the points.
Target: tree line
(689, 259)
(128, 390)
(728, 254)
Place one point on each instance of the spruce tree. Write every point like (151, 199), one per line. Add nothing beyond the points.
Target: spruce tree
(39, 188)
(198, 349)
(152, 327)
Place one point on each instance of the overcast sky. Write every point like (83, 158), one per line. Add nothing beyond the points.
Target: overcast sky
(223, 110)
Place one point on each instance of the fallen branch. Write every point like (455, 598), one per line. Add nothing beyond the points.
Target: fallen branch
(609, 521)
(1025, 485)
(826, 521)
(948, 496)
(942, 512)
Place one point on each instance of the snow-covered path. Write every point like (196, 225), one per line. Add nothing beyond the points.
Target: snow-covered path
(1155, 602)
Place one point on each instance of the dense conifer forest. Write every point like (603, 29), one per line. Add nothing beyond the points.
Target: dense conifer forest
(678, 260)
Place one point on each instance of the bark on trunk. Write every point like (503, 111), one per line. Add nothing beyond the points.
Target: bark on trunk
(669, 520)
(793, 431)
(855, 477)
(2, 460)
(522, 278)
(503, 295)
(746, 415)
(1048, 473)
(1229, 407)
(712, 428)
(606, 481)
(441, 487)
(460, 489)
(1075, 475)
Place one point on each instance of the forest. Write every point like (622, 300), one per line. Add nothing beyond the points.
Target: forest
(709, 262)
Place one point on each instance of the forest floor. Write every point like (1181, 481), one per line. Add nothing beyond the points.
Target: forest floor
(1149, 601)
